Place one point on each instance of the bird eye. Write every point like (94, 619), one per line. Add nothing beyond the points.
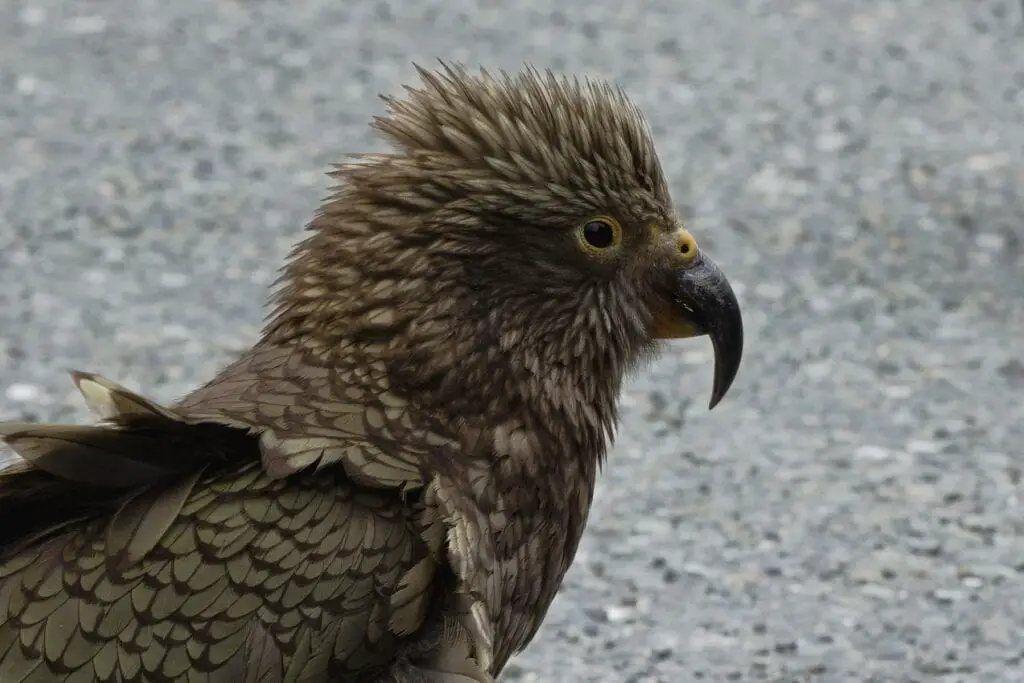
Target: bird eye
(600, 233)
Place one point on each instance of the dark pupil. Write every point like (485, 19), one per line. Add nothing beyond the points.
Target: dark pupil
(598, 234)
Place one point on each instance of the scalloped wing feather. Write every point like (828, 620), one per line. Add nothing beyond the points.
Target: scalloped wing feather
(170, 515)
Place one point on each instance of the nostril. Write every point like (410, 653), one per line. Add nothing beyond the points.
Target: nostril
(686, 246)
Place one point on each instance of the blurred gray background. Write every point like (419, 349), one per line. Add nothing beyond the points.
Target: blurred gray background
(851, 512)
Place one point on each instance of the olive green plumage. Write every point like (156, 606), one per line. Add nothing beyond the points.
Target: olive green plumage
(390, 485)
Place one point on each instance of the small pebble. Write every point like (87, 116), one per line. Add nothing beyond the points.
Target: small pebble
(871, 453)
(22, 393)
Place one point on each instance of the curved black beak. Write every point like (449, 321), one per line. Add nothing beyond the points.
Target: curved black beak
(703, 297)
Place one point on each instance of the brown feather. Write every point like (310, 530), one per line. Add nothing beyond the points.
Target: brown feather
(96, 456)
(390, 485)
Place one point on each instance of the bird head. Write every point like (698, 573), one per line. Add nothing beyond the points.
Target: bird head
(518, 241)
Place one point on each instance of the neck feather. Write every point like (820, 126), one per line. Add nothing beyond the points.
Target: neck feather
(375, 281)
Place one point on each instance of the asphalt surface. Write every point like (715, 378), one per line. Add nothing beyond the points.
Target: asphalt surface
(851, 512)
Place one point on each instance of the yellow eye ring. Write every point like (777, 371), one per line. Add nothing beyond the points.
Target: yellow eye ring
(599, 234)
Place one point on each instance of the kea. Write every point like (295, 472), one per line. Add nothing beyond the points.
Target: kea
(391, 484)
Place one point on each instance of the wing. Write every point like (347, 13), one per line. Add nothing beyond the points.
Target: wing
(182, 542)
(72, 473)
(312, 574)
(309, 413)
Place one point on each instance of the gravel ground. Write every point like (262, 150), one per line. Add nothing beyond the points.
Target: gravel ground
(852, 512)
